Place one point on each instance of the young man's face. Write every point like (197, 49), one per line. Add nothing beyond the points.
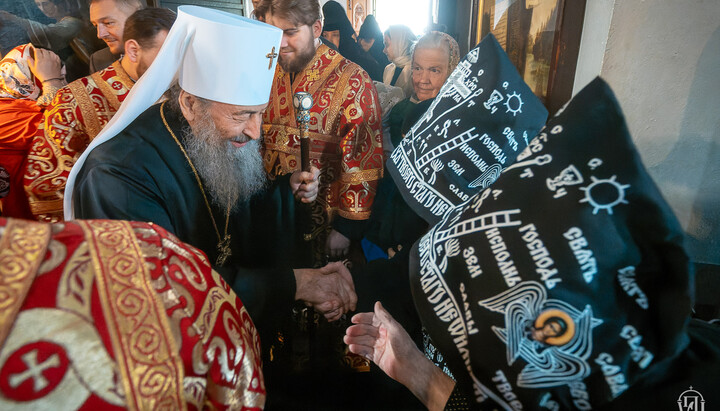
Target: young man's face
(298, 42)
(109, 19)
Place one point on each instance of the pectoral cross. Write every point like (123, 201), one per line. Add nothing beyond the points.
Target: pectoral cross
(224, 248)
(271, 55)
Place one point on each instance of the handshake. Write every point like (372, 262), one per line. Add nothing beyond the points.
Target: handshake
(329, 290)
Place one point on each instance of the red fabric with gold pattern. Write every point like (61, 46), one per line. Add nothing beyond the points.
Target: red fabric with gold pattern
(77, 114)
(106, 314)
(345, 133)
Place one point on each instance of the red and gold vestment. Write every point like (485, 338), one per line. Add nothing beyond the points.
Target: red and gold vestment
(101, 314)
(345, 133)
(77, 114)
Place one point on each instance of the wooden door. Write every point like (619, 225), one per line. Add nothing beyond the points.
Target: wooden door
(542, 38)
(357, 10)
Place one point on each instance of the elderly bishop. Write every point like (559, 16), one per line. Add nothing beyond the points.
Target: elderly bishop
(192, 163)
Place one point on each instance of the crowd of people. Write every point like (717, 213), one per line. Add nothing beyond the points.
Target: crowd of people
(188, 252)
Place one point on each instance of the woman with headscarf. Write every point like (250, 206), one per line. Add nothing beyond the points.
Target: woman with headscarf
(370, 39)
(538, 301)
(434, 57)
(339, 31)
(393, 224)
(29, 79)
(398, 41)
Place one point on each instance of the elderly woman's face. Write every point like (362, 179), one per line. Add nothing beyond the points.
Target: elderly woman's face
(429, 71)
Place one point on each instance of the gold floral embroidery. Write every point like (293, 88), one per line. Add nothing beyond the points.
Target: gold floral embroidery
(107, 90)
(90, 118)
(22, 249)
(359, 177)
(145, 350)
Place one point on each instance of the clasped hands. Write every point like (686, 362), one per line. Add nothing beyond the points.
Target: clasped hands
(329, 290)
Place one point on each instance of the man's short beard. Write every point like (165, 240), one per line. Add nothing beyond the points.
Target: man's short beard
(229, 174)
(300, 61)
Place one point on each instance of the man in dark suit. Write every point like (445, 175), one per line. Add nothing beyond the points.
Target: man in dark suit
(108, 17)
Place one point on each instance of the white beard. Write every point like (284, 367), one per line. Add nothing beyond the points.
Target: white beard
(229, 174)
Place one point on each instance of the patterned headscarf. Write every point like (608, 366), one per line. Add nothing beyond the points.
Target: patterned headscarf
(435, 39)
(16, 79)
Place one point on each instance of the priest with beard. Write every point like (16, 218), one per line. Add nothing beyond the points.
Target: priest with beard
(192, 163)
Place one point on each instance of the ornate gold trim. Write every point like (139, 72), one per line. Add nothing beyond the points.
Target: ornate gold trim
(90, 120)
(43, 206)
(122, 75)
(22, 250)
(329, 69)
(358, 177)
(342, 84)
(354, 215)
(107, 91)
(145, 351)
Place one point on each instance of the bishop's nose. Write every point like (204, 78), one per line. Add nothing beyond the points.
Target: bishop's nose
(254, 127)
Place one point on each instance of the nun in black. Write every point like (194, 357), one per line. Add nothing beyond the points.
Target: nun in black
(339, 31)
(370, 39)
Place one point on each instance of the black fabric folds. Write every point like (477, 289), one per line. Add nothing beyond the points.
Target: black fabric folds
(482, 118)
(565, 283)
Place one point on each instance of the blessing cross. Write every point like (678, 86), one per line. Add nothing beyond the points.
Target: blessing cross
(271, 55)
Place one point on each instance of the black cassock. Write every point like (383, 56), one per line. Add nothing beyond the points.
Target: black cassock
(142, 175)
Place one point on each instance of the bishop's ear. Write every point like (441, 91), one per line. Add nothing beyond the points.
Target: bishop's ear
(132, 50)
(188, 105)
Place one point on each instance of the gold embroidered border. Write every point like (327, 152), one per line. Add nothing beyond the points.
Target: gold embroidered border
(43, 207)
(147, 355)
(329, 69)
(90, 119)
(281, 79)
(335, 105)
(354, 215)
(122, 75)
(361, 176)
(22, 250)
(107, 91)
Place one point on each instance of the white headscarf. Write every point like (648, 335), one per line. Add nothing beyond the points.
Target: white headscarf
(401, 40)
(212, 54)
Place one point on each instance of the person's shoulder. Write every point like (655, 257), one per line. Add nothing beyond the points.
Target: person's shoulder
(355, 70)
(138, 143)
(66, 95)
(101, 59)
